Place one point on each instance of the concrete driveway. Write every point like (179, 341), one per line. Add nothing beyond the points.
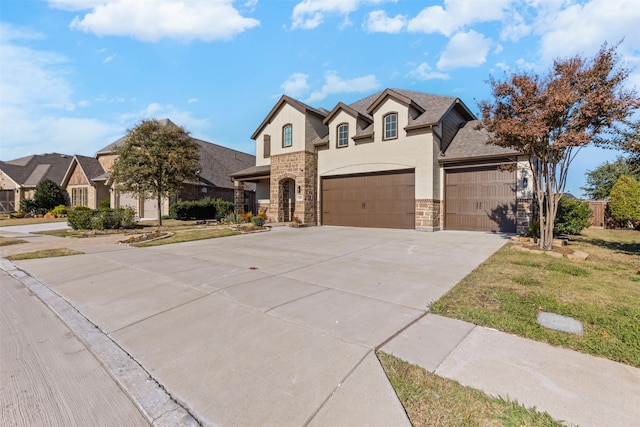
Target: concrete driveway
(274, 328)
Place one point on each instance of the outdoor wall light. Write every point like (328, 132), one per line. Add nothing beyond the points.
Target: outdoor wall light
(299, 189)
(525, 182)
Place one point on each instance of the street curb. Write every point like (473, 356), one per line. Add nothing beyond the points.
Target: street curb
(154, 402)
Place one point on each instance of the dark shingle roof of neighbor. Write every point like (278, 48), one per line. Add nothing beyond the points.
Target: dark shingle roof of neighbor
(91, 167)
(471, 142)
(29, 171)
(216, 162)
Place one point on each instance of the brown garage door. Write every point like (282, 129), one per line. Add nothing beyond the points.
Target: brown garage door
(385, 200)
(482, 199)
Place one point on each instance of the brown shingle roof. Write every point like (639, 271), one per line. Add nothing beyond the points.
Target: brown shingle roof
(471, 142)
(29, 171)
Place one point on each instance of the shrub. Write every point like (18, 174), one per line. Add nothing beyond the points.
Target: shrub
(105, 204)
(232, 218)
(59, 211)
(80, 218)
(534, 229)
(258, 221)
(196, 209)
(624, 202)
(83, 218)
(223, 208)
(126, 217)
(27, 206)
(572, 217)
(48, 195)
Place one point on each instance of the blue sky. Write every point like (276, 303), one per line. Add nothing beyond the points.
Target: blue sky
(76, 74)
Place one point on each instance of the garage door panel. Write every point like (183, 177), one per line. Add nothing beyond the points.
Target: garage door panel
(480, 199)
(384, 200)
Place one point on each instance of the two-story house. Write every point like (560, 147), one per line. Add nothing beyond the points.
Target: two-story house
(395, 159)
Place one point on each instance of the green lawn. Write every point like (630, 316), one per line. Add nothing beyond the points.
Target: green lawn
(508, 290)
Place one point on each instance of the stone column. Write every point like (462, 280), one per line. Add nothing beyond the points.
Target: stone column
(238, 197)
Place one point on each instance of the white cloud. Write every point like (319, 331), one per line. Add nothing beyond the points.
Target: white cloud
(582, 28)
(425, 72)
(153, 20)
(296, 85)
(309, 14)
(334, 84)
(378, 22)
(156, 110)
(192, 100)
(109, 58)
(457, 14)
(465, 50)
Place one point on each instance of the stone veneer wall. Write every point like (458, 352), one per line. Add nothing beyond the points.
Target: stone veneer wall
(427, 214)
(301, 167)
(524, 215)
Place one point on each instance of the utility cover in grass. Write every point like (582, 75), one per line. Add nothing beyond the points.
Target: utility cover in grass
(560, 323)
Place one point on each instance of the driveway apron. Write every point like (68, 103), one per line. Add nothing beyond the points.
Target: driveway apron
(274, 328)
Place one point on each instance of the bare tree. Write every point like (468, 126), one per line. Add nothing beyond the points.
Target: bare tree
(155, 160)
(550, 118)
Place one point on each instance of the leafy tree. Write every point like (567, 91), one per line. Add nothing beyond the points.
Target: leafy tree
(155, 160)
(601, 180)
(624, 201)
(550, 118)
(48, 195)
(573, 216)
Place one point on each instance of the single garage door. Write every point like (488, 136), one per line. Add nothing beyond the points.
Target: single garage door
(480, 199)
(384, 200)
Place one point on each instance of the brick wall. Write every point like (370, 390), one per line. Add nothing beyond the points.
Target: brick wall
(524, 212)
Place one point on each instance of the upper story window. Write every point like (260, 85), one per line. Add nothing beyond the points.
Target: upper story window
(266, 148)
(287, 136)
(343, 135)
(390, 126)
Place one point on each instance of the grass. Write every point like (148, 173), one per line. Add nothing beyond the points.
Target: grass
(48, 253)
(6, 241)
(189, 235)
(508, 290)
(5, 221)
(430, 400)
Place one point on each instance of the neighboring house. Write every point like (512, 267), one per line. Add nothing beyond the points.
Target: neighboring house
(19, 177)
(216, 163)
(396, 159)
(86, 179)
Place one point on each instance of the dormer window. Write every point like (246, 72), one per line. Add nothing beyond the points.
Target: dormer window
(390, 126)
(343, 135)
(287, 136)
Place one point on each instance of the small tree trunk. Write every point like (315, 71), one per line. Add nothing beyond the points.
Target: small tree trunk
(159, 211)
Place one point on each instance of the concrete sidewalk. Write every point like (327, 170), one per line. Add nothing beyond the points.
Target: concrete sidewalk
(577, 388)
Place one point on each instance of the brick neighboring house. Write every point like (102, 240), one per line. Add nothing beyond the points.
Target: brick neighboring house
(395, 159)
(19, 177)
(216, 163)
(86, 179)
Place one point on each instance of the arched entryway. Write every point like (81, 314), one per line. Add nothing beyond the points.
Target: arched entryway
(286, 200)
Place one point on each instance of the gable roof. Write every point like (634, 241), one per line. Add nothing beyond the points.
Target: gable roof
(343, 107)
(300, 106)
(471, 142)
(90, 167)
(29, 171)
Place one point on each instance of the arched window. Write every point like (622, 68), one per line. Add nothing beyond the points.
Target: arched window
(343, 135)
(287, 136)
(390, 126)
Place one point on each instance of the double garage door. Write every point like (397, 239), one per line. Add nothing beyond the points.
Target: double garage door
(384, 200)
(480, 199)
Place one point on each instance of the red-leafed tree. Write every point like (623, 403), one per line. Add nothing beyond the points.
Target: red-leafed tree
(550, 118)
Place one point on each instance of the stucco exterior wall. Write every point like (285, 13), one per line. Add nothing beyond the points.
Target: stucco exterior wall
(405, 152)
(286, 115)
